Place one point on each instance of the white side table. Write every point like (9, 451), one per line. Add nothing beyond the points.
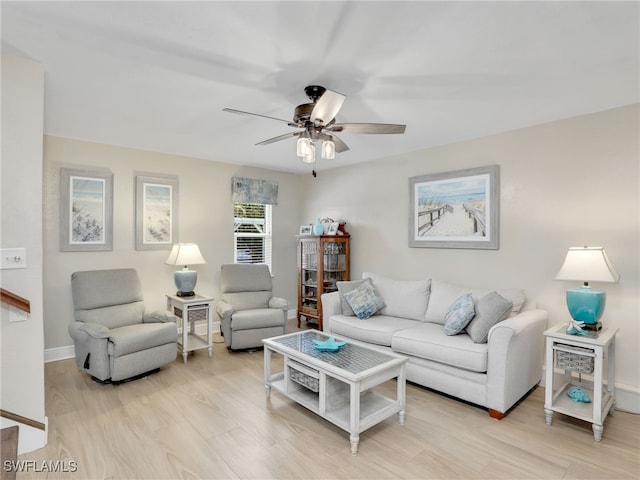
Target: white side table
(578, 354)
(192, 310)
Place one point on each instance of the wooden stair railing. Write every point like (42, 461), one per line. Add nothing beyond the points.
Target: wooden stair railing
(15, 300)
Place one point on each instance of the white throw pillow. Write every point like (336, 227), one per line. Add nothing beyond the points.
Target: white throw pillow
(403, 298)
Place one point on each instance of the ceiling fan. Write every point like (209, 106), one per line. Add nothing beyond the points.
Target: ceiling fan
(316, 122)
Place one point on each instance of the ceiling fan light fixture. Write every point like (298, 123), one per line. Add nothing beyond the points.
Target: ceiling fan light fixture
(303, 147)
(311, 156)
(328, 150)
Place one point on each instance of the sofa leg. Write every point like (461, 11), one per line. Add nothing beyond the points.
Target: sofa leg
(496, 414)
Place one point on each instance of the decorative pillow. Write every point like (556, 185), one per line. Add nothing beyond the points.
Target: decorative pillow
(459, 315)
(364, 300)
(402, 298)
(442, 295)
(490, 309)
(345, 287)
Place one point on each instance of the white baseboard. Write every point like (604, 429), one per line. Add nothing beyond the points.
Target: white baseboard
(59, 353)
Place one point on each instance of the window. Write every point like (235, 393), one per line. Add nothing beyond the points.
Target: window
(252, 233)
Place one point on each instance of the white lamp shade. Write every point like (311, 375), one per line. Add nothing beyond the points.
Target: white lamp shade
(587, 264)
(185, 254)
(328, 150)
(303, 147)
(311, 156)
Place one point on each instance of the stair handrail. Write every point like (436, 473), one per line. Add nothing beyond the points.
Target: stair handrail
(15, 300)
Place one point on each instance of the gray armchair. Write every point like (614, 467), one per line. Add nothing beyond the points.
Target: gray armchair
(114, 339)
(247, 309)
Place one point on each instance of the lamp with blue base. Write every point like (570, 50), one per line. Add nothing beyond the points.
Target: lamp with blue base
(185, 254)
(587, 264)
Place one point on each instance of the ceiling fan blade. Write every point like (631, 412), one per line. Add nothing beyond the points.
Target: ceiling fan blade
(375, 128)
(278, 138)
(340, 145)
(240, 112)
(327, 107)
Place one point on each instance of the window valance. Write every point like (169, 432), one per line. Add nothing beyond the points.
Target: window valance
(249, 190)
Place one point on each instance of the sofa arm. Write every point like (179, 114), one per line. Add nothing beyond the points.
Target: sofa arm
(516, 352)
(281, 303)
(224, 309)
(159, 317)
(330, 306)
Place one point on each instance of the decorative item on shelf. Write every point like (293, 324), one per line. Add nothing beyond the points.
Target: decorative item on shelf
(329, 345)
(306, 229)
(577, 394)
(185, 254)
(587, 264)
(333, 228)
(318, 228)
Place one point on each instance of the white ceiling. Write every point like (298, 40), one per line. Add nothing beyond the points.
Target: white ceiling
(156, 75)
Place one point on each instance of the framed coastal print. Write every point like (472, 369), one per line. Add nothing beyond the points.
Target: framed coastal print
(156, 212)
(458, 209)
(86, 213)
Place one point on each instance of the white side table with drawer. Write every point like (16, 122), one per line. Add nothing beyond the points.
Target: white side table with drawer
(581, 355)
(192, 310)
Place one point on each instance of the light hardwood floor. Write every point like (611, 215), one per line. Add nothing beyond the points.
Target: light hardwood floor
(209, 418)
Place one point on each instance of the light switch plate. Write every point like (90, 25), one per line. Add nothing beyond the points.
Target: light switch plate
(13, 258)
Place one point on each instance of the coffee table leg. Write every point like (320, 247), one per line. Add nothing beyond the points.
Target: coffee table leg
(267, 371)
(354, 420)
(402, 393)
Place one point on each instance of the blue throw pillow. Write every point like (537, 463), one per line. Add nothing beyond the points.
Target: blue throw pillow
(460, 313)
(364, 300)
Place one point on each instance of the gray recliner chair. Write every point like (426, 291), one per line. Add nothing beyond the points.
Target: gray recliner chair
(247, 309)
(114, 339)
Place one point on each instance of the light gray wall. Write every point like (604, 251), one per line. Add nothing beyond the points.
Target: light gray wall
(205, 217)
(22, 367)
(563, 184)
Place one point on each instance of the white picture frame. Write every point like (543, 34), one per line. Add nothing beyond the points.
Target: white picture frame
(333, 228)
(306, 229)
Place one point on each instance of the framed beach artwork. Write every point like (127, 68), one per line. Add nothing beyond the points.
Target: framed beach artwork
(458, 209)
(156, 212)
(86, 222)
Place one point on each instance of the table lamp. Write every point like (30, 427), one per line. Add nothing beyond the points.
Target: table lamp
(587, 264)
(185, 254)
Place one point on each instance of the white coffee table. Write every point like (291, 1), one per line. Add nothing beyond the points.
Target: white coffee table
(338, 386)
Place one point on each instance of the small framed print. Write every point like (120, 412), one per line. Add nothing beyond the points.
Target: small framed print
(305, 229)
(156, 212)
(86, 211)
(333, 228)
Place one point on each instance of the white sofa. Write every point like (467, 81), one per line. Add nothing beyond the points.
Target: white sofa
(495, 374)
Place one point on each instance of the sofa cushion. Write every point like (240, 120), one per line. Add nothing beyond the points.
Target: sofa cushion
(428, 341)
(376, 330)
(490, 309)
(442, 295)
(364, 300)
(345, 287)
(257, 318)
(135, 338)
(459, 315)
(402, 298)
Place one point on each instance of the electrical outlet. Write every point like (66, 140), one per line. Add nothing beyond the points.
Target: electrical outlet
(17, 315)
(13, 258)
